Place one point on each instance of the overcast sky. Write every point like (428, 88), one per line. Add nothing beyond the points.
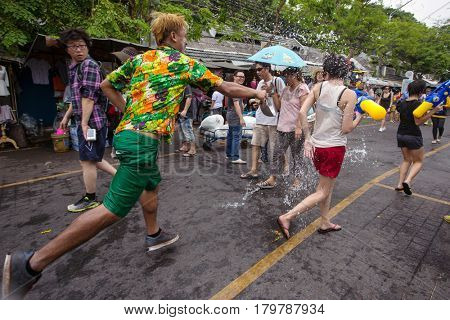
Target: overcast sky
(423, 8)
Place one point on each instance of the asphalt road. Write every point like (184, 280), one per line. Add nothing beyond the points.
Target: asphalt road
(391, 246)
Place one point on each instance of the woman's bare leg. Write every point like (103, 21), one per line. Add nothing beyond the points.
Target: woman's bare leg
(404, 167)
(322, 192)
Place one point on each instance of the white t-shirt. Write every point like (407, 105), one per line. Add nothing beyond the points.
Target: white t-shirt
(261, 118)
(217, 97)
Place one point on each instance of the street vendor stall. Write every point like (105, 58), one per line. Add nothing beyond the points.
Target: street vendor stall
(11, 131)
(44, 78)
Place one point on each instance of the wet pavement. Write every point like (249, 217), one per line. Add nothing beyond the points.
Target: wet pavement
(391, 246)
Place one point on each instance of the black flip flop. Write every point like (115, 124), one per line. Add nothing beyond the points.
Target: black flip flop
(332, 229)
(398, 189)
(406, 189)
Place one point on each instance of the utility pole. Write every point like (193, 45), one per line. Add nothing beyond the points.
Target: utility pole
(390, 15)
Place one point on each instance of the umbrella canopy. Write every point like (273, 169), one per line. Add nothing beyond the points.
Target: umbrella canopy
(279, 56)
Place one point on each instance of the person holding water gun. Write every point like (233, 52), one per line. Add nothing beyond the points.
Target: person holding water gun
(409, 137)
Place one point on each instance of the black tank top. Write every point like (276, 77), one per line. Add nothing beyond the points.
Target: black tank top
(385, 102)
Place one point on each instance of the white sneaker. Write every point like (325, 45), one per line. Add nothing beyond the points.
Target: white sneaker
(433, 142)
(239, 161)
(380, 130)
(438, 140)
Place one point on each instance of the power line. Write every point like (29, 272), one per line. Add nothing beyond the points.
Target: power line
(443, 6)
(390, 15)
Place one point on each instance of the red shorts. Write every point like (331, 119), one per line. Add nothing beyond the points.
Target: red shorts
(328, 161)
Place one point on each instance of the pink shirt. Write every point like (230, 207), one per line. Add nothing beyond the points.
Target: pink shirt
(290, 107)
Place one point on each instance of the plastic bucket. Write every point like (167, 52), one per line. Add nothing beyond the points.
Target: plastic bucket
(60, 142)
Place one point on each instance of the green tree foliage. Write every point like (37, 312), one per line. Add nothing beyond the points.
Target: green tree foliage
(347, 26)
(20, 20)
(414, 46)
(111, 19)
(395, 37)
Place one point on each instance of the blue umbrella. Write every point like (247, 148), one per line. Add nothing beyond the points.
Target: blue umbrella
(279, 56)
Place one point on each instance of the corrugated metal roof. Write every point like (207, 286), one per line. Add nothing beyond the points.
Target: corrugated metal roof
(213, 55)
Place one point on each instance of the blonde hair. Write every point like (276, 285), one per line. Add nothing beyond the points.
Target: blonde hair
(165, 23)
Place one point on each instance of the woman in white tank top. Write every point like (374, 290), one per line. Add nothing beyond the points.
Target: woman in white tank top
(326, 147)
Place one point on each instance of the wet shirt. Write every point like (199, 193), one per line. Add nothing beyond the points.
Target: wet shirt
(85, 79)
(290, 107)
(407, 124)
(155, 82)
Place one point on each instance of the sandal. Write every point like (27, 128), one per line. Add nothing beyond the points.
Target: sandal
(398, 189)
(249, 175)
(265, 185)
(284, 230)
(335, 227)
(187, 154)
(406, 189)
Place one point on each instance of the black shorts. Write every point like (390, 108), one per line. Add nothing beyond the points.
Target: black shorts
(409, 142)
(92, 150)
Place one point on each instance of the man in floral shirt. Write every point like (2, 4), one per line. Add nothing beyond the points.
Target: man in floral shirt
(154, 82)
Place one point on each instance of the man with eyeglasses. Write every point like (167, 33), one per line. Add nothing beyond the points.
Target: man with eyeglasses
(88, 105)
(265, 129)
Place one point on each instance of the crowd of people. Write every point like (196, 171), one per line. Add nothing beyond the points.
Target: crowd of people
(153, 91)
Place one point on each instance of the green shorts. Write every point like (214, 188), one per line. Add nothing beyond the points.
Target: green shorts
(138, 171)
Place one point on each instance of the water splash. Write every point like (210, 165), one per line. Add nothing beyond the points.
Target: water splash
(356, 155)
(232, 205)
(250, 191)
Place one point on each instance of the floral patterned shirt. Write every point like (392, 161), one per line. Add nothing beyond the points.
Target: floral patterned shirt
(154, 83)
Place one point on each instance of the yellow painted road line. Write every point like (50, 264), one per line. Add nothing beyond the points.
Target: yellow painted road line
(416, 195)
(56, 176)
(258, 269)
(247, 278)
(428, 154)
(39, 179)
(20, 149)
(367, 125)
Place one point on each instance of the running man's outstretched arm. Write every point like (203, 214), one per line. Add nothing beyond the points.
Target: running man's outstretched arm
(234, 90)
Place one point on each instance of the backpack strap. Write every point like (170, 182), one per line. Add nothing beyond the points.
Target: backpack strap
(80, 71)
(103, 100)
(275, 84)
